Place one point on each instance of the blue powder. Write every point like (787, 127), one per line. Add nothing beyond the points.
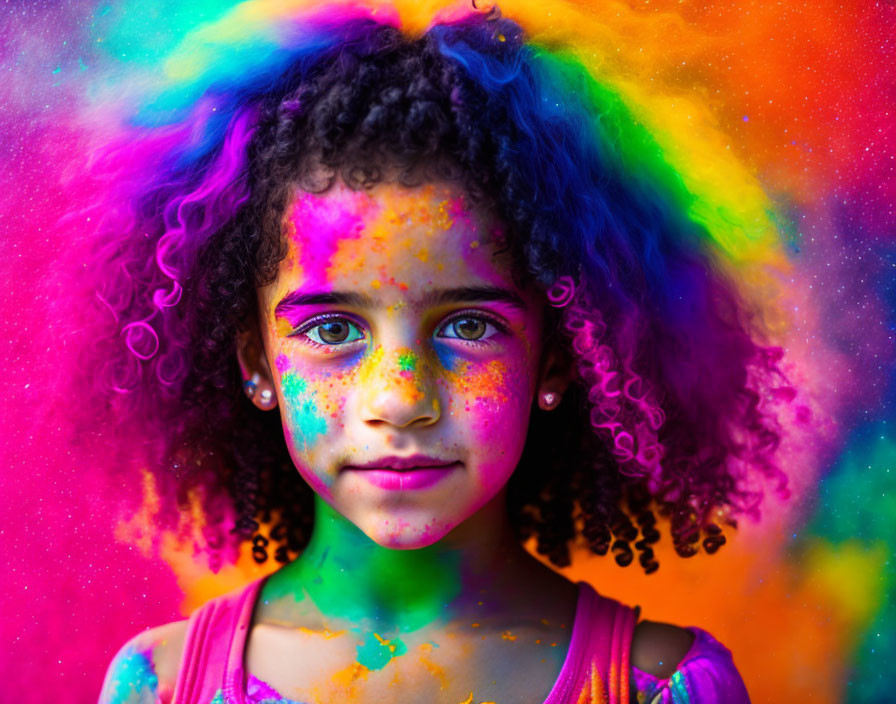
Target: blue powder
(133, 675)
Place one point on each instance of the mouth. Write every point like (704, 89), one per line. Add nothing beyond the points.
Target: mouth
(405, 473)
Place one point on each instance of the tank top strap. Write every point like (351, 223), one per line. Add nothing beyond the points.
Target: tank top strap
(603, 676)
(611, 644)
(211, 669)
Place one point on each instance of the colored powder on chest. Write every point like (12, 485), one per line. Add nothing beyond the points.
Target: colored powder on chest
(376, 652)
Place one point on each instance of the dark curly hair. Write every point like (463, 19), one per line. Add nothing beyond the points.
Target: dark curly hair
(669, 412)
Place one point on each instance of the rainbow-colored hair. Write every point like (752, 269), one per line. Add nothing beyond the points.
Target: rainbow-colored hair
(656, 247)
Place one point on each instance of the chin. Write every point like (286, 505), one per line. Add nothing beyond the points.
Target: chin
(404, 533)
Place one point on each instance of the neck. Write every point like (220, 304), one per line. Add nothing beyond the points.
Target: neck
(472, 570)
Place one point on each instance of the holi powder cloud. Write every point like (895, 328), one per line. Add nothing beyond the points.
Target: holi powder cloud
(775, 120)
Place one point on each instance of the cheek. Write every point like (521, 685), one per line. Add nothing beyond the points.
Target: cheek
(492, 398)
(496, 407)
(313, 405)
(304, 413)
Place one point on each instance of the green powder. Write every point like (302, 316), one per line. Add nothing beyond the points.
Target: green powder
(407, 362)
(376, 652)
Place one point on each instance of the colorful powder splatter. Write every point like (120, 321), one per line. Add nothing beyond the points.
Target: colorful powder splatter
(407, 362)
(132, 676)
(303, 408)
(375, 652)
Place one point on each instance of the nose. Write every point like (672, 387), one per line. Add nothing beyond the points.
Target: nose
(399, 390)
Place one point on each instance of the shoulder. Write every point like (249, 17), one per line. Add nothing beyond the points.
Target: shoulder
(145, 668)
(658, 648)
(667, 659)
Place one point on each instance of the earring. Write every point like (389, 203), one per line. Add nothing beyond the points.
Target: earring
(267, 397)
(549, 400)
(249, 387)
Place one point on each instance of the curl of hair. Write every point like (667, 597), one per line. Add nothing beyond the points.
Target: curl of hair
(668, 411)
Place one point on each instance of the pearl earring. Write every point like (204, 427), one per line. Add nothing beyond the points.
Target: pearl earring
(266, 397)
(549, 400)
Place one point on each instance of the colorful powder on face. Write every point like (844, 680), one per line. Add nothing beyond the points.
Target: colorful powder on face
(418, 213)
(293, 385)
(402, 377)
(303, 410)
(446, 213)
(481, 385)
(372, 361)
(407, 362)
(311, 215)
(282, 363)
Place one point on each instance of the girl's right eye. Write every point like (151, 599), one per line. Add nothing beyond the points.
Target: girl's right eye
(332, 332)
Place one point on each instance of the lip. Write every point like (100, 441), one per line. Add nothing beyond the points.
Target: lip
(405, 473)
(407, 479)
(411, 462)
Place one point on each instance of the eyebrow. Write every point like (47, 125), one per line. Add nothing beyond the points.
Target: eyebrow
(442, 296)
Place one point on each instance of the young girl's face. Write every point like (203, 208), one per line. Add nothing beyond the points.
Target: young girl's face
(404, 357)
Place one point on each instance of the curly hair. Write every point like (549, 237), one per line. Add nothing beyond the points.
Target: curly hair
(669, 412)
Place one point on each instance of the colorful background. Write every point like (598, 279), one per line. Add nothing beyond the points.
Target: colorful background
(802, 95)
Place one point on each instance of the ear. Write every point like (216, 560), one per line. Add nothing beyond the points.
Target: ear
(556, 374)
(258, 382)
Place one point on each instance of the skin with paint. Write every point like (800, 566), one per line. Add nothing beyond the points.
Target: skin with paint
(405, 360)
(393, 330)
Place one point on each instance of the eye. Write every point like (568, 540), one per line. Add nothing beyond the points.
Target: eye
(334, 331)
(471, 328)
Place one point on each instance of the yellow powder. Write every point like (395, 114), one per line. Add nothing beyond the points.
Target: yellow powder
(352, 673)
(435, 670)
(282, 327)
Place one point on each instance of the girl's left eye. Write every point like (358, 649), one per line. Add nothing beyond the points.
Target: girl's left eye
(471, 328)
(336, 331)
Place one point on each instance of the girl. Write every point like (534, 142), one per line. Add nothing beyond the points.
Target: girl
(396, 296)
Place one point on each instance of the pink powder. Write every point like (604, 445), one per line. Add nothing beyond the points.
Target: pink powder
(311, 215)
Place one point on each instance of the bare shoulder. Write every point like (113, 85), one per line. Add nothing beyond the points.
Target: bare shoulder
(658, 648)
(145, 668)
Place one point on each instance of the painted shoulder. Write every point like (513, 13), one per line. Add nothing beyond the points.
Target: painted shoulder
(145, 669)
(658, 648)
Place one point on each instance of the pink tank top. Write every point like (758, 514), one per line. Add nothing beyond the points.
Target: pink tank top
(595, 671)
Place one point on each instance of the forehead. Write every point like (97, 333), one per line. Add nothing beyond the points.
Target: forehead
(391, 240)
